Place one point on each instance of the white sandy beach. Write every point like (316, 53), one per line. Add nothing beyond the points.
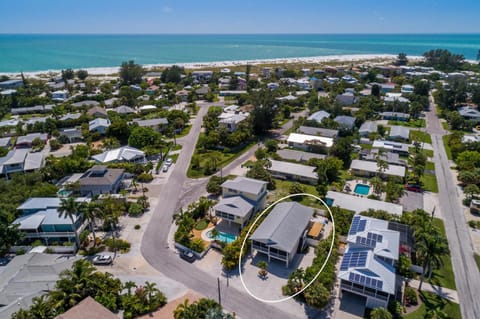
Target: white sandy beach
(221, 64)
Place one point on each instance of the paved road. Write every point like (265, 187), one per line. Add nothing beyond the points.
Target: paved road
(155, 246)
(467, 276)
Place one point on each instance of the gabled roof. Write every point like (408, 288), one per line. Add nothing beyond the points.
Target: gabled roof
(98, 122)
(293, 169)
(123, 109)
(345, 121)
(317, 131)
(151, 122)
(125, 153)
(70, 116)
(319, 116)
(86, 103)
(108, 176)
(361, 204)
(284, 225)
(400, 131)
(88, 308)
(30, 137)
(235, 205)
(369, 127)
(310, 139)
(245, 184)
(97, 110)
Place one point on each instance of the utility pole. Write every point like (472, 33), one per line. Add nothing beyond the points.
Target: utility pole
(219, 294)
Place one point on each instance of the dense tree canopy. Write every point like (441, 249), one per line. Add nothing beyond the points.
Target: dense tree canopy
(131, 73)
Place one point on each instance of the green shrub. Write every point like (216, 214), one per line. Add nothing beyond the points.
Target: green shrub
(145, 178)
(137, 227)
(37, 243)
(197, 245)
(411, 296)
(67, 244)
(49, 251)
(120, 244)
(84, 236)
(135, 210)
(19, 252)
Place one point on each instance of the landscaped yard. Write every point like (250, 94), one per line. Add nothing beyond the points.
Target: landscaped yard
(411, 123)
(443, 276)
(283, 189)
(428, 153)
(420, 136)
(430, 166)
(184, 132)
(224, 158)
(429, 182)
(431, 301)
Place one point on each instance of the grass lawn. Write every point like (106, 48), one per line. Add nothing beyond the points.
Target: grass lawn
(443, 276)
(447, 148)
(412, 123)
(430, 166)
(176, 147)
(431, 301)
(445, 126)
(174, 157)
(428, 153)
(477, 260)
(420, 136)
(283, 189)
(429, 182)
(225, 159)
(201, 224)
(184, 132)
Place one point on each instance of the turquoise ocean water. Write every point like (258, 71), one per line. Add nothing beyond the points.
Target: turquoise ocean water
(53, 52)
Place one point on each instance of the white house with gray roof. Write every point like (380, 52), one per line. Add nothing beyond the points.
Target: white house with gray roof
(399, 133)
(283, 232)
(368, 128)
(293, 171)
(360, 204)
(369, 168)
(368, 265)
(231, 121)
(99, 125)
(21, 160)
(242, 198)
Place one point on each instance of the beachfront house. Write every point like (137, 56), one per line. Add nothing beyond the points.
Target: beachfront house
(293, 172)
(11, 84)
(39, 220)
(101, 180)
(283, 232)
(241, 199)
(368, 265)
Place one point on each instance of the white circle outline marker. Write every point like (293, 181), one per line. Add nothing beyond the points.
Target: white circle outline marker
(318, 273)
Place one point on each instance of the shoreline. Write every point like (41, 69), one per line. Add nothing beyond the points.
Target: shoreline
(220, 64)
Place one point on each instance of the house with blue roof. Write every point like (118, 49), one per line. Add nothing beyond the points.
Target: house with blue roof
(368, 265)
(40, 220)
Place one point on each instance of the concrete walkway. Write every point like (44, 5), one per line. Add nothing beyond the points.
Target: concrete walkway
(446, 293)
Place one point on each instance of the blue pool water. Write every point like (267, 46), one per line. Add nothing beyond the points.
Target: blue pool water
(362, 189)
(224, 237)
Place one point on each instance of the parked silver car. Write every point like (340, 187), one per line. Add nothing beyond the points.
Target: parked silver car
(102, 260)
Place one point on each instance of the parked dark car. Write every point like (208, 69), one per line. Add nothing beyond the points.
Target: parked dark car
(414, 188)
(187, 255)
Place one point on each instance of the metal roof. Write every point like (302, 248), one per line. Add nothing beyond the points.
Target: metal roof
(234, 205)
(310, 139)
(245, 184)
(284, 225)
(318, 116)
(361, 204)
(298, 156)
(125, 153)
(369, 166)
(293, 169)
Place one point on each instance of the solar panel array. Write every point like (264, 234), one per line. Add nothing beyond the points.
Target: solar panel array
(354, 259)
(370, 241)
(358, 225)
(366, 281)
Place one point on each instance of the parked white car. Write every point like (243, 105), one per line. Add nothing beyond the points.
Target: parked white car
(169, 161)
(102, 260)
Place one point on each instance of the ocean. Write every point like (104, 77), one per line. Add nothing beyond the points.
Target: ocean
(54, 52)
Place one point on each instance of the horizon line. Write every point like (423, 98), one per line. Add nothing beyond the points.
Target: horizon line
(234, 33)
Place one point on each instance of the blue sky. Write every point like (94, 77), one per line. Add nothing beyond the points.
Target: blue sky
(244, 16)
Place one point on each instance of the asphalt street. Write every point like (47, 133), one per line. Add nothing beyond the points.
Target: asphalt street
(467, 276)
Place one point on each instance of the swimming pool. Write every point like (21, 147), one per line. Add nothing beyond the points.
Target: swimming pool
(64, 193)
(362, 189)
(224, 237)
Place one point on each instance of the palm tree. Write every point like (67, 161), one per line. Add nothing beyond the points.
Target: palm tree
(181, 309)
(90, 212)
(150, 289)
(436, 313)
(69, 207)
(431, 247)
(129, 285)
(41, 308)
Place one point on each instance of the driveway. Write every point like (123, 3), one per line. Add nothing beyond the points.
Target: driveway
(411, 201)
(352, 306)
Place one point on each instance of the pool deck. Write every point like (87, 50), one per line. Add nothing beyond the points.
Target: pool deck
(350, 187)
